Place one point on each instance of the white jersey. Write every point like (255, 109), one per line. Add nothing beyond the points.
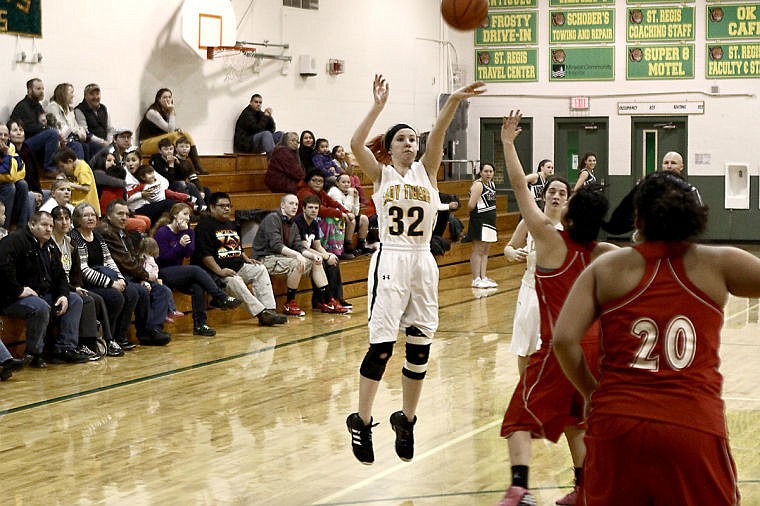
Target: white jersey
(407, 207)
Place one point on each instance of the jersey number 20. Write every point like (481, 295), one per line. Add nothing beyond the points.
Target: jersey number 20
(396, 226)
(679, 344)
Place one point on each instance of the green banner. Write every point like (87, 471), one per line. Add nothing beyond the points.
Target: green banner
(576, 3)
(508, 28)
(732, 60)
(506, 65)
(660, 62)
(21, 17)
(508, 4)
(660, 24)
(581, 63)
(733, 21)
(587, 25)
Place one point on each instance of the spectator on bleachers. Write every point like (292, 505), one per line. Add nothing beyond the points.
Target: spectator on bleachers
(122, 141)
(323, 160)
(92, 116)
(176, 242)
(277, 244)
(348, 197)
(255, 129)
(306, 149)
(150, 185)
(79, 173)
(94, 309)
(32, 177)
(356, 183)
(147, 253)
(334, 215)
(153, 302)
(60, 107)
(101, 274)
(14, 191)
(308, 229)
(284, 170)
(132, 161)
(42, 141)
(60, 195)
(178, 170)
(219, 250)
(109, 178)
(339, 155)
(160, 122)
(35, 288)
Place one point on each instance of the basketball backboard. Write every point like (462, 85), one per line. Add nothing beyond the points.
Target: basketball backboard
(208, 23)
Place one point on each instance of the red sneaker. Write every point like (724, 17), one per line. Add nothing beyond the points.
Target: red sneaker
(292, 309)
(338, 308)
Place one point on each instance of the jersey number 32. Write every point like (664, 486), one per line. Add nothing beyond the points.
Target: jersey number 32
(396, 225)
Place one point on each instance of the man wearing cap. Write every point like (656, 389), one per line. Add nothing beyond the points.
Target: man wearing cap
(93, 117)
(42, 141)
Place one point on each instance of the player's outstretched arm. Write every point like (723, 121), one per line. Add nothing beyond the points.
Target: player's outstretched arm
(363, 154)
(576, 316)
(434, 149)
(534, 218)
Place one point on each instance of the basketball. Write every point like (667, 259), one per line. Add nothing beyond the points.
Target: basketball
(464, 14)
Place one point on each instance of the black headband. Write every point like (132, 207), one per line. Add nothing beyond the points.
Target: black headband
(392, 131)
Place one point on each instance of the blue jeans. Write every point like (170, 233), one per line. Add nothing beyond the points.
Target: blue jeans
(195, 281)
(151, 308)
(44, 144)
(263, 142)
(36, 311)
(4, 353)
(16, 198)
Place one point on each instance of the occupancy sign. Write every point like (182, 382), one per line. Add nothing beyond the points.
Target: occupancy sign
(508, 28)
(732, 60)
(582, 25)
(506, 65)
(660, 62)
(660, 24)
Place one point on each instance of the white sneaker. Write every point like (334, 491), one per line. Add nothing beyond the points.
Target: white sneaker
(477, 283)
(489, 283)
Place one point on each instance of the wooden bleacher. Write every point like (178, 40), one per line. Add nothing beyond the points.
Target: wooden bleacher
(242, 176)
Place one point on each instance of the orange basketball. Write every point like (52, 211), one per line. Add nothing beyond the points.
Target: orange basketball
(464, 14)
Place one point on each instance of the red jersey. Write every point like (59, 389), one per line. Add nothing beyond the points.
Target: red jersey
(553, 286)
(660, 348)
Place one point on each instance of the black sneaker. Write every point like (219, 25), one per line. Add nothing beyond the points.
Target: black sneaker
(277, 318)
(155, 337)
(226, 303)
(346, 304)
(84, 350)
(113, 349)
(125, 345)
(35, 361)
(69, 356)
(361, 438)
(10, 366)
(203, 330)
(404, 430)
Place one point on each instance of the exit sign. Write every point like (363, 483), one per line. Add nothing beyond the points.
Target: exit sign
(579, 103)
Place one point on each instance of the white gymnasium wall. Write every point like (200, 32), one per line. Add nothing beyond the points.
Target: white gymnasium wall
(131, 49)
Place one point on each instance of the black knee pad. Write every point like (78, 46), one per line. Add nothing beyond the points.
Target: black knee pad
(414, 331)
(373, 365)
(415, 365)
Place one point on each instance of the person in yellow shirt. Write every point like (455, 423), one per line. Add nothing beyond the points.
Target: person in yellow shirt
(80, 175)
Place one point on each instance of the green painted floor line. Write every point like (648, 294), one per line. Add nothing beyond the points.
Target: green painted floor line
(91, 391)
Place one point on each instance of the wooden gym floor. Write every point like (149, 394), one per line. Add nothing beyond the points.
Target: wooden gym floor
(257, 416)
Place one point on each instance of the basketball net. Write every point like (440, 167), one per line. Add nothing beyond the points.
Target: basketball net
(237, 60)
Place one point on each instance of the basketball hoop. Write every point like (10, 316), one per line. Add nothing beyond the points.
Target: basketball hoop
(236, 59)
